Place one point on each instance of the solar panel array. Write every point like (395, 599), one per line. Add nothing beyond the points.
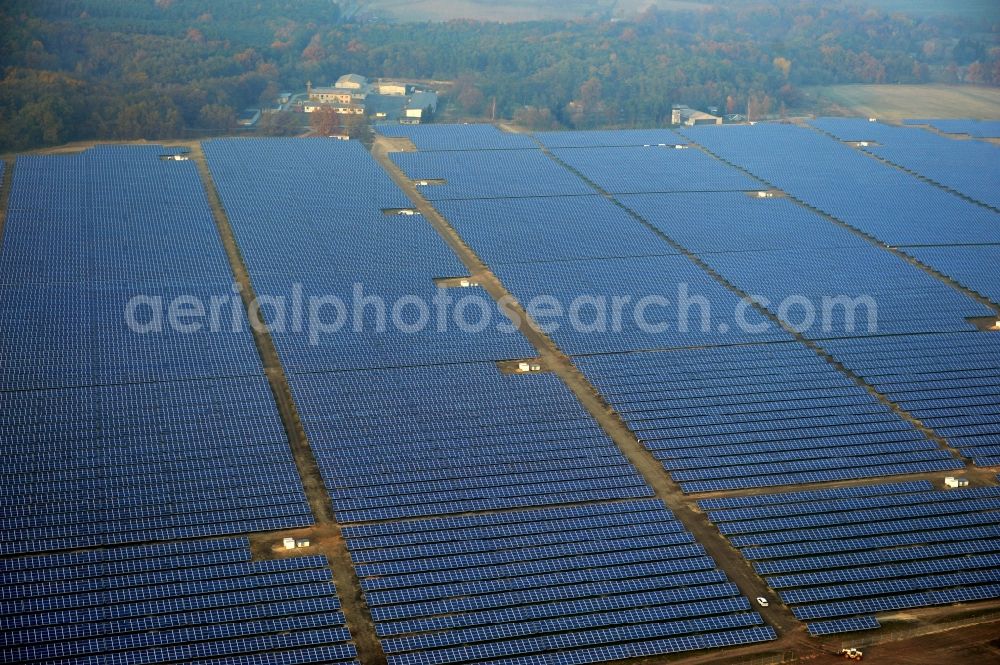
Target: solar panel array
(112, 435)
(976, 128)
(203, 602)
(579, 584)
(569, 561)
(557, 228)
(884, 202)
(818, 260)
(836, 626)
(86, 233)
(971, 168)
(456, 439)
(883, 549)
(712, 222)
(949, 382)
(319, 230)
(672, 303)
(797, 416)
(973, 267)
(429, 138)
(767, 415)
(628, 170)
(610, 138)
(489, 174)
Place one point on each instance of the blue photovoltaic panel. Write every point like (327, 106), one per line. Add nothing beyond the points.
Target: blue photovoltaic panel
(655, 287)
(610, 138)
(96, 606)
(317, 235)
(429, 138)
(550, 229)
(949, 382)
(854, 624)
(489, 174)
(629, 170)
(972, 267)
(976, 128)
(895, 207)
(449, 439)
(121, 423)
(756, 416)
(846, 559)
(533, 583)
(970, 168)
(710, 222)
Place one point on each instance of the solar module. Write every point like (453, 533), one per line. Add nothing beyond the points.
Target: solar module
(196, 607)
(970, 168)
(156, 432)
(893, 559)
(895, 207)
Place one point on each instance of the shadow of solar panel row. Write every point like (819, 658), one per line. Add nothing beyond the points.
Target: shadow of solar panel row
(455, 439)
(429, 138)
(630, 170)
(971, 168)
(474, 588)
(947, 381)
(168, 603)
(150, 462)
(976, 128)
(776, 414)
(549, 229)
(653, 314)
(489, 175)
(317, 233)
(893, 206)
(837, 557)
(835, 626)
(610, 138)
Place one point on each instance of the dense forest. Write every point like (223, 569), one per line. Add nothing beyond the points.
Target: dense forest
(83, 69)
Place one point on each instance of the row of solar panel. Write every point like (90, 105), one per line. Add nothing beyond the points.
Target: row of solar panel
(944, 380)
(358, 254)
(538, 581)
(976, 128)
(777, 414)
(182, 606)
(869, 549)
(969, 168)
(893, 206)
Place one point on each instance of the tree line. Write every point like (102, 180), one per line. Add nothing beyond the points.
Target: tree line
(105, 69)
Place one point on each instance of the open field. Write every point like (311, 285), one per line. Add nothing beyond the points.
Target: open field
(897, 102)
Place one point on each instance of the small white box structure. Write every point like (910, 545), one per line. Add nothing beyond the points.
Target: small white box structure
(953, 482)
(997, 325)
(765, 195)
(680, 147)
(524, 367)
(303, 542)
(536, 368)
(872, 119)
(289, 543)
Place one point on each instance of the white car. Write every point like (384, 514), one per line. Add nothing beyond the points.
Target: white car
(762, 601)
